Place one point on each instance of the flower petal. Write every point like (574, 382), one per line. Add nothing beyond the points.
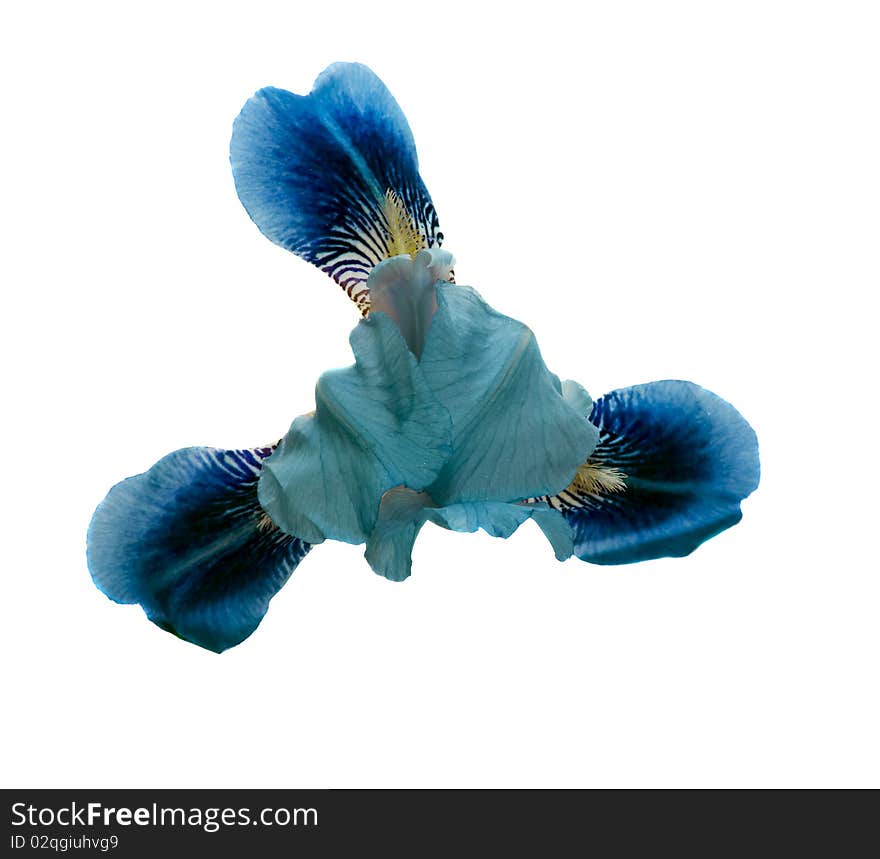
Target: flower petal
(189, 542)
(514, 434)
(314, 172)
(389, 546)
(403, 511)
(439, 262)
(500, 520)
(689, 458)
(404, 290)
(376, 425)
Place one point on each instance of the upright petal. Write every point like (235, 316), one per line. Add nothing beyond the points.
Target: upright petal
(329, 174)
(514, 434)
(688, 459)
(376, 425)
(404, 289)
(189, 541)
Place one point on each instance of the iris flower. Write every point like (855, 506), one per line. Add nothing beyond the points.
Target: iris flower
(448, 414)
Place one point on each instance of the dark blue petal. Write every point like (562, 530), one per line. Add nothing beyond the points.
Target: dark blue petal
(313, 171)
(189, 541)
(689, 458)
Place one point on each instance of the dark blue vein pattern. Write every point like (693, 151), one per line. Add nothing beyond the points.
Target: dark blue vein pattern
(689, 458)
(312, 172)
(189, 541)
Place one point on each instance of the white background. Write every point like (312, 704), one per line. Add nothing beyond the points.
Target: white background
(676, 190)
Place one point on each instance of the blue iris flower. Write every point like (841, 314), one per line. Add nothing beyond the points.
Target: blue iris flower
(448, 414)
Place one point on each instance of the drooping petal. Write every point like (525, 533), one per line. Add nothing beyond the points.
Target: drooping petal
(189, 541)
(376, 425)
(501, 520)
(689, 458)
(390, 543)
(403, 511)
(326, 175)
(514, 433)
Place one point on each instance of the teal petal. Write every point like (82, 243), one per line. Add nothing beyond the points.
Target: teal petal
(389, 547)
(403, 511)
(458, 438)
(501, 519)
(514, 434)
(376, 425)
(557, 530)
(577, 397)
(496, 518)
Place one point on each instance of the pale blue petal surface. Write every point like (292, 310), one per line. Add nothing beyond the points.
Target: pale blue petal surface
(501, 519)
(457, 438)
(577, 397)
(404, 511)
(188, 541)
(376, 425)
(403, 289)
(514, 434)
(689, 458)
(312, 171)
(401, 516)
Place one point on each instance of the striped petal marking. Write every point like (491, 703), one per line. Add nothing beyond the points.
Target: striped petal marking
(673, 463)
(189, 541)
(333, 176)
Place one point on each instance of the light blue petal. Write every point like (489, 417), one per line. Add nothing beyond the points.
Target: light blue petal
(404, 511)
(404, 290)
(501, 519)
(389, 547)
(312, 171)
(458, 438)
(577, 397)
(376, 425)
(557, 530)
(689, 458)
(189, 542)
(440, 263)
(496, 518)
(514, 434)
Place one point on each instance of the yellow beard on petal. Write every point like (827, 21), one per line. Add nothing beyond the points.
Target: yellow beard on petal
(593, 478)
(403, 236)
(264, 523)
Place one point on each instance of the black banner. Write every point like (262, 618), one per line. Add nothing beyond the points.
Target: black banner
(268, 823)
(413, 823)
